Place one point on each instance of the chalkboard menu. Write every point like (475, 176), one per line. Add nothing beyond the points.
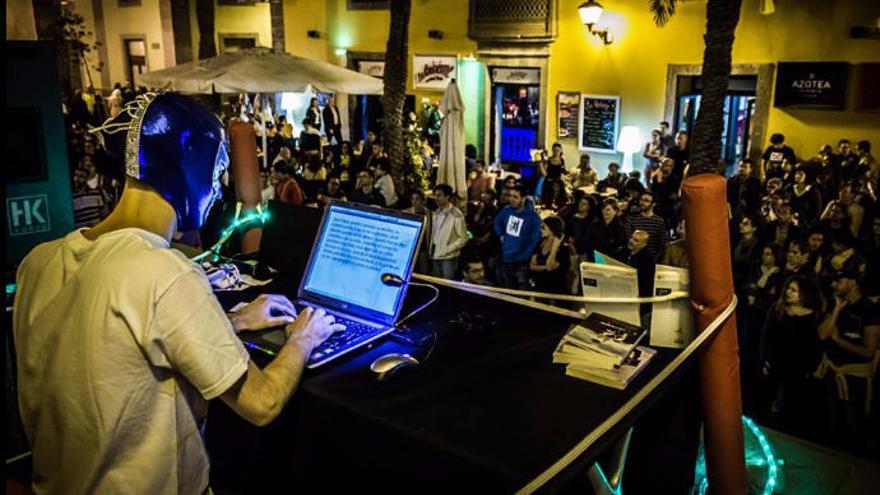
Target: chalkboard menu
(816, 85)
(567, 113)
(599, 121)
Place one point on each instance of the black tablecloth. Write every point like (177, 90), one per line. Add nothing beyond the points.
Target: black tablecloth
(486, 412)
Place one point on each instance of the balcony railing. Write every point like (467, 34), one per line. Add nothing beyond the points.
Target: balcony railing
(513, 21)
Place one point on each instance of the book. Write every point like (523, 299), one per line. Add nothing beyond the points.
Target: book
(600, 339)
(672, 322)
(608, 277)
(617, 377)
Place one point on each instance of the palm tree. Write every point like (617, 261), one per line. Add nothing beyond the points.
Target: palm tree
(394, 92)
(722, 17)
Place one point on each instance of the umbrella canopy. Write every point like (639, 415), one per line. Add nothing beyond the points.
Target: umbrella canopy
(452, 169)
(260, 70)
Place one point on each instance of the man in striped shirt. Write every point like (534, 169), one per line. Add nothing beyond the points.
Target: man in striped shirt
(651, 223)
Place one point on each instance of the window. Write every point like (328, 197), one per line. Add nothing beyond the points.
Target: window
(135, 57)
(129, 3)
(233, 3)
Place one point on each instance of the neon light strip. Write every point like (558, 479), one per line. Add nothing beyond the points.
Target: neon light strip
(769, 458)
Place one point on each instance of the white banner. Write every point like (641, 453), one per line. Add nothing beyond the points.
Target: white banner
(433, 71)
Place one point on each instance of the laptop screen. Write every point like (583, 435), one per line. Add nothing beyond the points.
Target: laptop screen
(355, 246)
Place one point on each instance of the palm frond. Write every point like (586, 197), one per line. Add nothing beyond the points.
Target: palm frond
(662, 10)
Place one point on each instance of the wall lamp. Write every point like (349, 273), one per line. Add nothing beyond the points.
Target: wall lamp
(590, 13)
(313, 33)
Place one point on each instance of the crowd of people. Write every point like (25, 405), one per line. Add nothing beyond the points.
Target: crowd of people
(805, 242)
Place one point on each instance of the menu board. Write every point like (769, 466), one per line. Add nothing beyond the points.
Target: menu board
(598, 123)
(567, 113)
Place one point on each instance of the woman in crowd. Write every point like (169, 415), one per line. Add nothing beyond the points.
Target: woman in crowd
(549, 264)
(556, 163)
(313, 114)
(654, 151)
(790, 352)
(606, 234)
(805, 198)
(554, 196)
(584, 176)
(479, 181)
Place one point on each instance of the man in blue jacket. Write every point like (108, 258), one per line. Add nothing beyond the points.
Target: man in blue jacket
(519, 228)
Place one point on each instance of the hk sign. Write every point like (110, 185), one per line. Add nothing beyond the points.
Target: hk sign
(28, 214)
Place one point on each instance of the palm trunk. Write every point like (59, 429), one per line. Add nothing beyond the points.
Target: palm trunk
(394, 93)
(722, 17)
(205, 17)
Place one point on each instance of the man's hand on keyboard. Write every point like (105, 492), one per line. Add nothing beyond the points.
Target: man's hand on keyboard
(266, 311)
(311, 328)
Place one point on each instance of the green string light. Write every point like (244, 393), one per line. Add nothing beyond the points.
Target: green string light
(766, 458)
(259, 215)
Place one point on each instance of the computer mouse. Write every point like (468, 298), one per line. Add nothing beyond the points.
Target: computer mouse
(387, 365)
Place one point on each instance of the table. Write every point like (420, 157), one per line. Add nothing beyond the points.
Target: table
(487, 411)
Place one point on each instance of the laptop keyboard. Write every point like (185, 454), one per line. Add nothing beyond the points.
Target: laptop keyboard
(355, 333)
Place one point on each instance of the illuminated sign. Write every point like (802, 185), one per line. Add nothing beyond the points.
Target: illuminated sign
(818, 85)
(433, 71)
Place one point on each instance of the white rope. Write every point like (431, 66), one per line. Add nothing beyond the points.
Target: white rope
(628, 407)
(557, 297)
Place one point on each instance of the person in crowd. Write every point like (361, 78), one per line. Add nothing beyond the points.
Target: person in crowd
(333, 190)
(818, 249)
(330, 159)
(310, 139)
(470, 157)
(834, 219)
(448, 233)
(774, 156)
(797, 258)
(649, 222)
(867, 163)
(851, 335)
(473, 270)
(549, 265)
(554, 196)
(849, 199)
(371, 159)
(653, 152)
(479, 181)
(287, 189)
(584, 176)
(781, 230)
(313, 115)
(90, 205)
(666, 137)
(480, 217)
(842, 257)
(665, 188)
(556, 163)
(744, 191)
(419, 206)
(364, 191)
(332, 122)
(519, 228)
(267, 186)
(675, 253)
(790, 352)
(501, 187)
(605, 234)
(643, 261)
(385, 184)
(680, 154)
(315, 171)
(138, 341)
(747, 252)
(760, 290)
(806, 202)
(846, 160)
(578, 219)
(614, 180)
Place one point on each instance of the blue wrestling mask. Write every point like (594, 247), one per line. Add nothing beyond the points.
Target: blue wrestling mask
(177, 147)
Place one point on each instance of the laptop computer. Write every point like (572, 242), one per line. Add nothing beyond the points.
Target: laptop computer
(356, 244)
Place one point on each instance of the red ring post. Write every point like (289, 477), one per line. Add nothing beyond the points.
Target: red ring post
(246, 171)
(704, 198)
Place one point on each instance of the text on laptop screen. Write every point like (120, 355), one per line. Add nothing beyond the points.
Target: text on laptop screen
(355, 249)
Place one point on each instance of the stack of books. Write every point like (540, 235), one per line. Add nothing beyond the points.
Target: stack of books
(603, 350)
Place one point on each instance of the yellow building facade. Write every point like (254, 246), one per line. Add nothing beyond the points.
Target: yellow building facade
(642, 66)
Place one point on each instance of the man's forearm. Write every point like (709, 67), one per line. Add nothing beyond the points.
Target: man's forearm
(860, 350)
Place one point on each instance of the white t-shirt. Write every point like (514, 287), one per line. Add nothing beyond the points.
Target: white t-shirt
(119, 341)
(385, 185)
